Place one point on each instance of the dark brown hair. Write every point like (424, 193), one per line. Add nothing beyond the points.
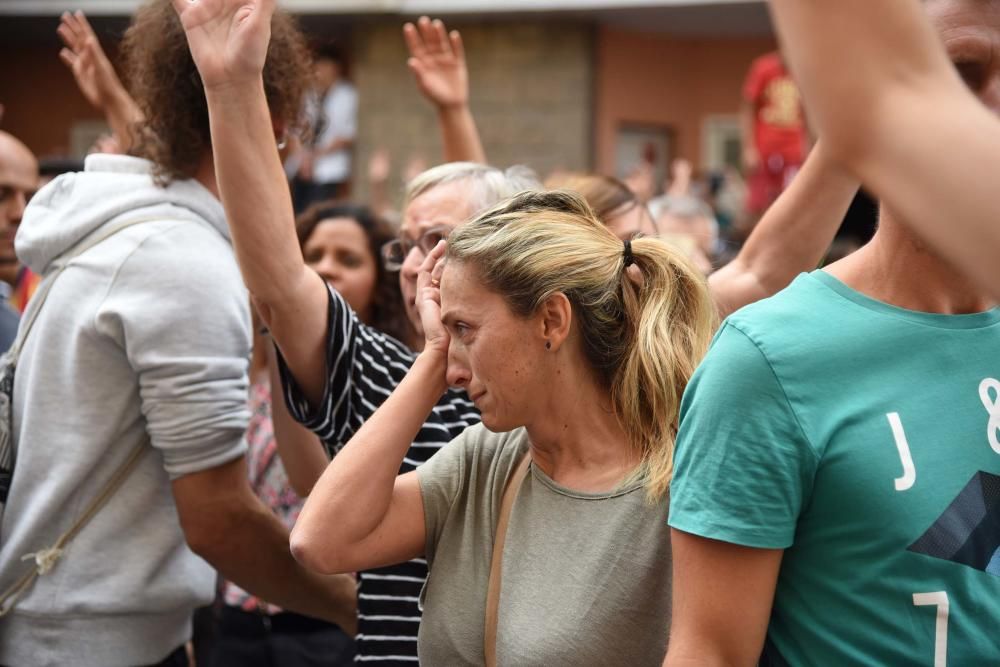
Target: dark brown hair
(164, 81)
(388, 315)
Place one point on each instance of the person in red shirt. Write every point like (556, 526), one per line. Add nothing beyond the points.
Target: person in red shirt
(774, 131)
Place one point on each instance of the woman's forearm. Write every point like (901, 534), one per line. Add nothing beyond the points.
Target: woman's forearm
(791, 237)
(291, 298)
(123, 116)
(460, 135)
(253, 188)
(302, 454)
(354, 494)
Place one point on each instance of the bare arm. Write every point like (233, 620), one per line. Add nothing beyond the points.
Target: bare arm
(301, 452)
(96, 78)
(721, 602)
(750, 157)
(362, 514)
(911, 132)
(229, 527)
(437, 60)
(680, 178)
(379, 166)
(379, 513)
(228, 40)
(790, 238)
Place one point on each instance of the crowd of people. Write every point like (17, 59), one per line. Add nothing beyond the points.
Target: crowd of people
(513, 422)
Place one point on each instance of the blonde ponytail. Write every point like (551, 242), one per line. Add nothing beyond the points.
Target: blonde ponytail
(671, 318)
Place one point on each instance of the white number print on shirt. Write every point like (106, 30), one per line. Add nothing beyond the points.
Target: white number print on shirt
(937, 599)
(992, 406)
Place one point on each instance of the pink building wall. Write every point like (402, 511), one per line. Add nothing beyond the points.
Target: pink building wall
(664, 80)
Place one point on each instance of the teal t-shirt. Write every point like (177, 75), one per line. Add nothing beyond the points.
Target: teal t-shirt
(864, 440)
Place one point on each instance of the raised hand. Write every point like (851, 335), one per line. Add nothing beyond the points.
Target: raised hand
(84, 56)
(228, 38)
(429, 299)
(437, 60)
(379, 166)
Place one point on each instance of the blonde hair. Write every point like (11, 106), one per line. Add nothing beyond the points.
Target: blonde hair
(643, 338)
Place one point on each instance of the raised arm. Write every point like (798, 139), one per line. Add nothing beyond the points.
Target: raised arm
(228, 40)
(362, 514)
(792, 237)
(96, 77)
(437, 60)
(911, 131)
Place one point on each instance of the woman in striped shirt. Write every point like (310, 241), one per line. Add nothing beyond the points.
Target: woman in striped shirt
(336, 370)
(363, 366)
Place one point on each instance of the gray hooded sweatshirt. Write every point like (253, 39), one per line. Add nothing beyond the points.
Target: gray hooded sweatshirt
(145, 334)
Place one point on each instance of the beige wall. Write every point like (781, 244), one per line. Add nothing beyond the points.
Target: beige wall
(545, 93)
(656, 79)
(531, 95)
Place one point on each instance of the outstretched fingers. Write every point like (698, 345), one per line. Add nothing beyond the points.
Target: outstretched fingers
(67, 56)
(441, 42)
(414, 43)
(67, 32)
(457, 46)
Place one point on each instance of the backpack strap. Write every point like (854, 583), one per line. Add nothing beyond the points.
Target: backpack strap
(496, 565)
(46, 559)
(58, 266)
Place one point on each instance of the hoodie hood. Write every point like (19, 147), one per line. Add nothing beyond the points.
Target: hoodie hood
(110, 187)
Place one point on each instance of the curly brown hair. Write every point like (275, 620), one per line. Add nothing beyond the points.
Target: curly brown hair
(164, 81)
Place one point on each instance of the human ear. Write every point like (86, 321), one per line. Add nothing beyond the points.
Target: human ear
(555, 317)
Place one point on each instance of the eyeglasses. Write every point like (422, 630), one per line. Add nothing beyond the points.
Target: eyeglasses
(394, 253)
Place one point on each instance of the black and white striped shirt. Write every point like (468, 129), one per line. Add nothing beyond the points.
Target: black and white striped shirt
(363, 368)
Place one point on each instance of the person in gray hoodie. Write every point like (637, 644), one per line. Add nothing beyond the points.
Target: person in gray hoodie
(141, 344)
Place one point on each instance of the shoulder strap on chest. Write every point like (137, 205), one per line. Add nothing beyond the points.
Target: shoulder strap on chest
(496, 566)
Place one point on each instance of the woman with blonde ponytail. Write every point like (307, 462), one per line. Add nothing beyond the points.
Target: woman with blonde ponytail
(576, 347)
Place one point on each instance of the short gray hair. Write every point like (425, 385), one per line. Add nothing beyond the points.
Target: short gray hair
(684, 207)
(488, 185)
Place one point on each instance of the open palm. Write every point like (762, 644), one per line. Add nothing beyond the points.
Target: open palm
(228, 38)
(94, 74)
(437, 59)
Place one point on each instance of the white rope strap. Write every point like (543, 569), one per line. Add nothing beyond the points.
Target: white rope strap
(45, 559)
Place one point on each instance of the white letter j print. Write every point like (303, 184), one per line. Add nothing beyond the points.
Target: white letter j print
(909, 471)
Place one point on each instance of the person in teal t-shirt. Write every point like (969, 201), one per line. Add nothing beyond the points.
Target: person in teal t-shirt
(836, 488)
(861, 439)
